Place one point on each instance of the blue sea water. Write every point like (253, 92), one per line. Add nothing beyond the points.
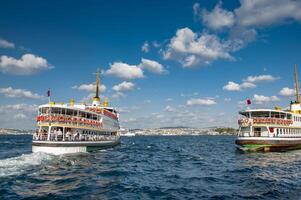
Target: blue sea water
(152, 167)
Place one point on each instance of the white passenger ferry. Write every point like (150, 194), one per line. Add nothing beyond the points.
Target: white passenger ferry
(271, 129)
(74, 128)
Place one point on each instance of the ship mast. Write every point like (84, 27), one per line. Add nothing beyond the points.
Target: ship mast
(297, 85)
(96, 99)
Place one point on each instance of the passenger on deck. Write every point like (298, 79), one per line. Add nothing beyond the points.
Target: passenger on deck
(55, 134)
(68, 135)
(59, 135)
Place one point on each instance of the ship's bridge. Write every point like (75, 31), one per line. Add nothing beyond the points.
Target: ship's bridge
(266, 113)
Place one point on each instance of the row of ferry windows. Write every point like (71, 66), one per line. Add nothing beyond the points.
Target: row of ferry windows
(298, 119)
(288, 131)
(65, 111)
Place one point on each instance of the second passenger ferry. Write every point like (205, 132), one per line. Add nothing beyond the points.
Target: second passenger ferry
(271, 129)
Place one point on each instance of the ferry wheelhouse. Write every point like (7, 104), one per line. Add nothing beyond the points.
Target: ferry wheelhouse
(74, 128)
(271, 129)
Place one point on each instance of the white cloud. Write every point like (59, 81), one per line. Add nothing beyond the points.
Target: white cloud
(242, 24)
(156, 44)
(261, 99)
(169, 108)
(24, 113)
(147, 101)
(218, 18)
(227, 99)
(118, 95)
(18, 107)
(232, 86)
(145, 47)
(267, 12)
(208, 102)
(152, 66)
(124, 86)
(288, 92)
(6, 44)
(192, 49)
(28, 64)
(260, 78)
(20, 116)
(169, 99)
(90, 88)
(249, 82)
(125, 71)
(19, 93)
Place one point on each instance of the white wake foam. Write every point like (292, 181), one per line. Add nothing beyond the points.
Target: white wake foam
(18, 165)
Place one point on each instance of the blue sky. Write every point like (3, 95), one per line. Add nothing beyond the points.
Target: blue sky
(164, 63)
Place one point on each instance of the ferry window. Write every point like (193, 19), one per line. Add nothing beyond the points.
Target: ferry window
(81, 114)
(56, 110)
(277, 131)
(261, 114)
(89, 116)
(69, 112)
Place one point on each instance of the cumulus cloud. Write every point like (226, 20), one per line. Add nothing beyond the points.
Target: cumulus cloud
(24, 113)
(118, 95)
(90, 88)
(260, 78)
(242, 23)
(169, 108)
(207, 102)
(145, 47)
(152, 66)
(261, 99)
(19, 93)
(18, 107)
(125, 71)
(124, 86)
(255, 13)
(249, 82)
(6, 44)
(193, 49)
(217, 19)
(20, 116)
(28, 64)
(287, 92)
(232, 86)
(267, 12)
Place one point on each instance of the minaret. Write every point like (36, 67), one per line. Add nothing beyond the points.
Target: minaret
(96, 99)
(297, 85)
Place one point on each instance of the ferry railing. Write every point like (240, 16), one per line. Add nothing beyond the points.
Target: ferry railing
(73, 138)
(70, 120)
(264, 120)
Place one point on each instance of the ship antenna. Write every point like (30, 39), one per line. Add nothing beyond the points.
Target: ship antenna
(297, 85)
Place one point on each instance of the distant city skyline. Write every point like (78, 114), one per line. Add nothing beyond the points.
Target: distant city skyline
(163, 63)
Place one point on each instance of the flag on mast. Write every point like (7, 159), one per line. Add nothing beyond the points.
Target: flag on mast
(249, 102)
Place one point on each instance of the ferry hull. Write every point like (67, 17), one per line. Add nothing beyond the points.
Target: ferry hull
(268, 144)
(59, 148)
